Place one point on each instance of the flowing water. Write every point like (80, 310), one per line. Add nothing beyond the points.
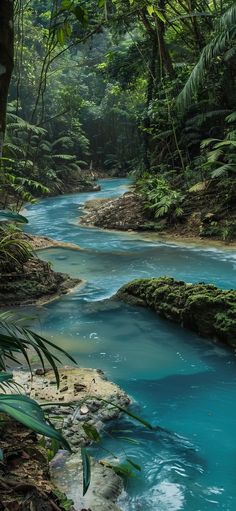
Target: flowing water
(183, 383)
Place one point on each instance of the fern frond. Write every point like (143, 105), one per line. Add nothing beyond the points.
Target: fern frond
(200, 119)
(231, 117)
(223, 170)
(20, 124)
(67, 157)
(61, 141)
(209, 141)
(214, 155)
(13, 150)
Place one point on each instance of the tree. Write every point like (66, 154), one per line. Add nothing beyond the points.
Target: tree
(6, 60)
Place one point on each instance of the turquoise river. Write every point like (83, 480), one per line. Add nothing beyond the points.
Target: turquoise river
(183, 383)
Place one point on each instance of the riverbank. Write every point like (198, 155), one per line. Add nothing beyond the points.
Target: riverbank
(42, 242)
(200, 222)
(203, 308)
(35, 284)
(82, 390)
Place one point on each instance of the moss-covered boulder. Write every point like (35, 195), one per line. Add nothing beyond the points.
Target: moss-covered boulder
(204, 308)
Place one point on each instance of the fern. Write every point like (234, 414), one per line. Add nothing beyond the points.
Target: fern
(21, 124)
(199, 119)
(222, 170)
(66, 157)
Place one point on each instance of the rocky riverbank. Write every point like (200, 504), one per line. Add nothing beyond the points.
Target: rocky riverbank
(26, 461)
(82, 390)
(205, 215)
(124, 213)
(36, 283)
(42, 242)
(203, 308)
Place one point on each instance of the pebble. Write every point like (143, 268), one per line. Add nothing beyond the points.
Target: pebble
(64, 389)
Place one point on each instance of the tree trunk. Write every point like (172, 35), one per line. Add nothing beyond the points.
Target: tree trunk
(6, 59)
(166, 65)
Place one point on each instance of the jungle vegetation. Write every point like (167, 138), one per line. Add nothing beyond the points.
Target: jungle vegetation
(145, 87)
(122, 86)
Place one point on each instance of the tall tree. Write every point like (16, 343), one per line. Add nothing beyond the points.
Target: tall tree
(6, 59)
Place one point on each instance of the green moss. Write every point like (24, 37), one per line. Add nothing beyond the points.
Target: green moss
(204, 308)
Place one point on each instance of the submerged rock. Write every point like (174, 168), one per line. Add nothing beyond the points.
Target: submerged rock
(203, 308)
(105, 486)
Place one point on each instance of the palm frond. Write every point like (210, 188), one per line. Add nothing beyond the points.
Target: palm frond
(16, 339)
(218, 46)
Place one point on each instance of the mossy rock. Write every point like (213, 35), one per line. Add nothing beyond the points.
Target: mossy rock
(37, 281)
(203, 308)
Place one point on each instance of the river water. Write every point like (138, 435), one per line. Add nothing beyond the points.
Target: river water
(178, 381)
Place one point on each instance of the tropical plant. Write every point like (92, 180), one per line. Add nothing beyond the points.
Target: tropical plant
(15, 341)
(221, 44)
(221, 154)
(160, 199)
(14, 251)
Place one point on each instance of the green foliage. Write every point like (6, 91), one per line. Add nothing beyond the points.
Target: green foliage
(86, 469)
(30, 414)
(160, 198)
(15, 340)
(11, 216)
(14, 251)
(217, 47)
(220, 154)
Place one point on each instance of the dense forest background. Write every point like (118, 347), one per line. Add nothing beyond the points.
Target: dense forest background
(123, 86)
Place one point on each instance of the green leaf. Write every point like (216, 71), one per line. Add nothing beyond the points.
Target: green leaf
(10, 215)
(4, 377)
(150, 9)
(122, 470)
(130, 414)
(159, 15)
(28, 412)
(129, 440)
(91, 432)
(86, 470)
(135, 465)
(61, 35)
(66, 4)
